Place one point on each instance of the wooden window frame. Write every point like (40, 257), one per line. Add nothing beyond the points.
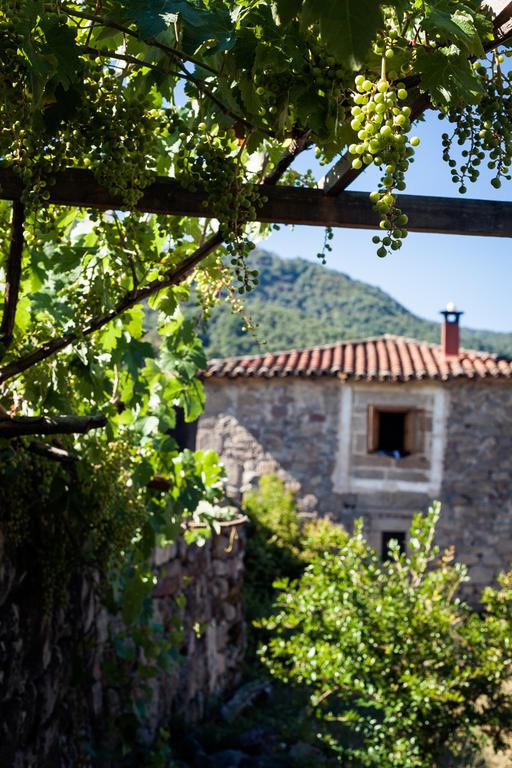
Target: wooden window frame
(414, 427)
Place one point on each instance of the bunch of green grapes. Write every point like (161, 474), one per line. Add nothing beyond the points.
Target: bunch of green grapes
(112, 512)
(21, 473)
(63, 518)
(317, 70)
(486, 131)
(209, 162)
(120, 136)
(381, 120)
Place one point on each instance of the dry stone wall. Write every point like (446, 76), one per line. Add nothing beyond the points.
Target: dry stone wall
(263, 426)
(54, 690)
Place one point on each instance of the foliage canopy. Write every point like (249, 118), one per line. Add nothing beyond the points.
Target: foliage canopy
(222, 96)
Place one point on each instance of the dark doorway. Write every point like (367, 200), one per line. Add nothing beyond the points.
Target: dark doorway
(184, 432)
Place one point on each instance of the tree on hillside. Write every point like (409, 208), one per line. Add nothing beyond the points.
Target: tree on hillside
(102, 103)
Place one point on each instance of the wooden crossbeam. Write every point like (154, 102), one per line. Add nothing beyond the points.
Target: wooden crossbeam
(502, 21)
(285, 205)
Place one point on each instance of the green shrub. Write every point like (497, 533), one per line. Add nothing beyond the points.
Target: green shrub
(402, 673)
(278, 545)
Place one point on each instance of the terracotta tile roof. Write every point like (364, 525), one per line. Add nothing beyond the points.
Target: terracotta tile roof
(386, 358)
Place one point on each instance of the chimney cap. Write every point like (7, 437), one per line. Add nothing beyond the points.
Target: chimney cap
(451, 313)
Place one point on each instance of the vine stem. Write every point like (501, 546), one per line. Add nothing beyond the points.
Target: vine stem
(52, 452)
(98, 4)
(13, 273)
(17, 426)
(59, 343)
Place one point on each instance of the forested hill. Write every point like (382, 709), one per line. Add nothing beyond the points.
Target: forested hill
(300, 304)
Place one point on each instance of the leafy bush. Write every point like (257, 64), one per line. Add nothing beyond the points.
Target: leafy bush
(279, 545)
(402, 673)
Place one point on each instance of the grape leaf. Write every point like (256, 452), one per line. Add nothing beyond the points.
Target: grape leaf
(109, 338)
(446, 75)
(347, 27)
(250, 98)
(199, 23)
(134, 594)
(458, 28)
(60, 43)
(193, 400)
(288, 9)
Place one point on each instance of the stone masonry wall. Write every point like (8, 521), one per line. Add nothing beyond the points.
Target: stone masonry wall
(53, 687)
(477, 481)
(313, 433)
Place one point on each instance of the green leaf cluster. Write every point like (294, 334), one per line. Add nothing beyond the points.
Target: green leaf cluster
(279, 545)
(210, 93)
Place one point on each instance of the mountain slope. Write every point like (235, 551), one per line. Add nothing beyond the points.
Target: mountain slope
(300, 304)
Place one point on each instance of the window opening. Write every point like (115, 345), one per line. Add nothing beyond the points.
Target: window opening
(395, 431)
(391, 435)
(387, 536)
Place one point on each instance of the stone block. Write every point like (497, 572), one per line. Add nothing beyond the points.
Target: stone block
(167, 587)
(373, 460)
(369, 473)
(417, 502)
(229, 611)
(220, 588)
(220, 550)
(407, 475)
(174, 568)
(468, 558)
(481, 576)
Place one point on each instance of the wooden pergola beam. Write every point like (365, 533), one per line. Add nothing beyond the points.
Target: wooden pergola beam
(285, 205)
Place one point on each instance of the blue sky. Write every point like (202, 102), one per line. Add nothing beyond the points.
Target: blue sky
(430, 270)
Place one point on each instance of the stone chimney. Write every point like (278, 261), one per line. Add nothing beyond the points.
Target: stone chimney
(450, 330)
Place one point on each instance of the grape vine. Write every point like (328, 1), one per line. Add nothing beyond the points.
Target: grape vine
(222, 101)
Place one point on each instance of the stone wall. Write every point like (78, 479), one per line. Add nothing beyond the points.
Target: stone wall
(285, 426)
(54, 690)
(314, 434)
(477, 482)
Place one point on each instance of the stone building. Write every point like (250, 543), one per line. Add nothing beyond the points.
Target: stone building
(376, 429)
